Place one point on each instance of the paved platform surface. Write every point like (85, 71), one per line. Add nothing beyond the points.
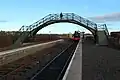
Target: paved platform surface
(100, 63)
(31, 46)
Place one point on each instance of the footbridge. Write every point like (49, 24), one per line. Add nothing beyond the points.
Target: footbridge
(31, 30)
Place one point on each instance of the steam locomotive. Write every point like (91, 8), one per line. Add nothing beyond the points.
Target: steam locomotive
(76, 36)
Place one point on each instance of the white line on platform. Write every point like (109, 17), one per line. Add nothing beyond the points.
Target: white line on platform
(69, 66)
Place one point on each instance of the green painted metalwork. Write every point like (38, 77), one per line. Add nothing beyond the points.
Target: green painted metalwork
(66, 16)
(103, 27)
(31, 30)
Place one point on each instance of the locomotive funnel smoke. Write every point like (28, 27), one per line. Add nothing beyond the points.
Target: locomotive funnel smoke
(114, 17)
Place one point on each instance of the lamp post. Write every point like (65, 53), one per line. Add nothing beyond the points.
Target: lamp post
(49, 35)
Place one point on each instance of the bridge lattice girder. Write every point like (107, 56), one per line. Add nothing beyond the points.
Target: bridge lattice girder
(31, 30)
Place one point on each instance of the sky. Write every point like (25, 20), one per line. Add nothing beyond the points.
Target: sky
(16, 13)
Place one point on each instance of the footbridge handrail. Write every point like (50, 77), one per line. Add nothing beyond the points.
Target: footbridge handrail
(103, 27)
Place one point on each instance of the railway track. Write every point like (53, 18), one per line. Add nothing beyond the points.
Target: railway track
(25, 68)
(56, 68)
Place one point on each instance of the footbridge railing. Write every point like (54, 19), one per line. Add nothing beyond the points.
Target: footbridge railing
(25, 31)
(65, 16)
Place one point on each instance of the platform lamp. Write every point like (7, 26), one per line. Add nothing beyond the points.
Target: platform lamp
(49, 35)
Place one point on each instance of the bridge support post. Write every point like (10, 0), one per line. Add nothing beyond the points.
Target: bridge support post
(96, 36)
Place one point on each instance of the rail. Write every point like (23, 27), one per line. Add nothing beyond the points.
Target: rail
(55, 69)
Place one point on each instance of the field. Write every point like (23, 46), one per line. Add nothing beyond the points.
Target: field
(7, 40)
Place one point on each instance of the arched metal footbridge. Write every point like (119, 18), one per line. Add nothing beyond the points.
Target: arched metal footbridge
(31, 30)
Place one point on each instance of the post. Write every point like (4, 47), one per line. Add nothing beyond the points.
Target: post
(49, 35)
(96, 36)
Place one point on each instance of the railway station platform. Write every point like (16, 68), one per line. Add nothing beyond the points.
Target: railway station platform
(100, 62)
(94, 62)
(15, 54)
(74, 70)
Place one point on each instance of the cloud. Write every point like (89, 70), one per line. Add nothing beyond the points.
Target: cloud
(3, 21)
(114, 17)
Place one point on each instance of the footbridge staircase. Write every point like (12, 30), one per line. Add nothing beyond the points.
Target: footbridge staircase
(103, 34)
